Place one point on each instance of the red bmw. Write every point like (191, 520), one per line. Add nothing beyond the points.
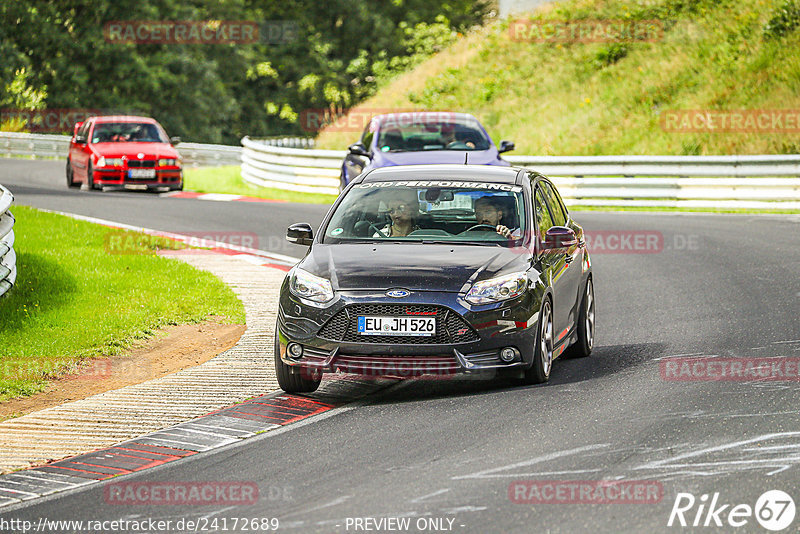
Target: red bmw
(123, 151)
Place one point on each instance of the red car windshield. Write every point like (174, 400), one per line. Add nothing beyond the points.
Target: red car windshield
(124, 132)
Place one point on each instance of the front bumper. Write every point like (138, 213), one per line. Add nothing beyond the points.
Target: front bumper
(510, 324)
(172, 178)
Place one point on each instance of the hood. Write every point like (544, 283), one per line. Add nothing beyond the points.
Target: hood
(150, 150)
(475, 157)
(428, 267)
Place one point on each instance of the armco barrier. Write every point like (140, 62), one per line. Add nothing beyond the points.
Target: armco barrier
(8, 260)
(753, 182)
(57, 146)
(295, 169)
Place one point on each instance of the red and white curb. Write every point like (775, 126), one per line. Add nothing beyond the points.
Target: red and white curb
(212, 431)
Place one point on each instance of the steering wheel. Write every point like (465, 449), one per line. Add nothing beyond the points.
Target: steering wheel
(482, 227)
(459, 145)
(377, 230)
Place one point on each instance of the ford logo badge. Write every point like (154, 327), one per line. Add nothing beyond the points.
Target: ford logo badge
(398, 293)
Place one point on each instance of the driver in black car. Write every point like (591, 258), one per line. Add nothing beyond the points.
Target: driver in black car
(489, 211)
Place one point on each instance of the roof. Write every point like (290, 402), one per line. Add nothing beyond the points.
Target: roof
(463, 173)
(122, 118)
(436, 116)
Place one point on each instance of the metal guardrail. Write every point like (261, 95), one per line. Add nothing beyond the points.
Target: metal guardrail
(8, 259)
(57, 146)
(294, 169)
(753, 182)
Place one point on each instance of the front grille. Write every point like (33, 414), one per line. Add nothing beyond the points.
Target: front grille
(450, 327)
(141, 164)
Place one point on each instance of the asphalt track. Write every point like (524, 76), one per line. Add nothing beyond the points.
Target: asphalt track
(441, 450)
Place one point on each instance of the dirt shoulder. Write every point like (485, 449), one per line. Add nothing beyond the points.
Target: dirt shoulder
(172, 349)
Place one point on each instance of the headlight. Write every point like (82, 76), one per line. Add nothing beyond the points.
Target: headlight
(110, 162)
(306, 285)
(167, 162)
(497, 289)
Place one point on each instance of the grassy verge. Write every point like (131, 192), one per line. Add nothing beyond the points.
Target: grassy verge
(227, 179)
(74, 300)
(595, 98)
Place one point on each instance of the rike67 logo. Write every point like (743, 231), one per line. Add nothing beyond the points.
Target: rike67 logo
(774, 510)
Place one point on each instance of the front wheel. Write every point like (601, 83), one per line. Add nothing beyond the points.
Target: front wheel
(539, 371)
(583, 346)
(302, 382)
(71, 176)
(90, 178)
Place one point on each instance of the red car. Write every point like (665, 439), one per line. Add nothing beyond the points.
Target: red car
(123, 151)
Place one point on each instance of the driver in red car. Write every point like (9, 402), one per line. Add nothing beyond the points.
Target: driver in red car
(490, 212)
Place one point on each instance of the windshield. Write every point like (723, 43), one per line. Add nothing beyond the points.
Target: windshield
(431, 134)
(435, 211)
(119, 132)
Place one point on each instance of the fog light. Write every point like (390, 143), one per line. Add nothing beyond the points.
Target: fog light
(509, 354)
(295, 350)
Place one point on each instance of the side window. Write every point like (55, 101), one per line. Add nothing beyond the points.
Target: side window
(366, 137)
(543, 218)
(83, 131)
(559, 215)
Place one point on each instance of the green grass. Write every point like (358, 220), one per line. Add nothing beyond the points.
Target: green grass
(606, 98)
(228, 179)
(73, 300)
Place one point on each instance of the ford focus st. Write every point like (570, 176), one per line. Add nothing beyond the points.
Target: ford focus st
(123, 151)
(437, 269)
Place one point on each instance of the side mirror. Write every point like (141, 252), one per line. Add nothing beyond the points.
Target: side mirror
(76, 128)
(300, 234)
(174, 140)
(505, 146)
(559, 238)
(358, 149)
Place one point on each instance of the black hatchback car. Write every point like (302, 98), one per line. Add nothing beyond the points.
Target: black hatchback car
(437, 269)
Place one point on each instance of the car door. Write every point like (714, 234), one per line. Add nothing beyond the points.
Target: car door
(354, 164)
(571, 274)
(78, 152)
(554, 264)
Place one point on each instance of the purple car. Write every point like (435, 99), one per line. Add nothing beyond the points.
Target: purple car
(416, 138)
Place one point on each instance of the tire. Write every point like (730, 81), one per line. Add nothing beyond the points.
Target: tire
(583, 346)
(292, 382)
(71, 176)
(539, 371)
(90, 178)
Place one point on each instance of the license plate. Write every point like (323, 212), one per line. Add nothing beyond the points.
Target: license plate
(396, 326)
(141, 173)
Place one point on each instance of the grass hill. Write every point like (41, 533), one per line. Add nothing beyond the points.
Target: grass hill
(577, 98)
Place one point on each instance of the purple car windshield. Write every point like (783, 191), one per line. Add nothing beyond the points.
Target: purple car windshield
(431, 135)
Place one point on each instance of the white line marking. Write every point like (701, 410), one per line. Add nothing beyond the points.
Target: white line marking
(792, 341)
(434, 494)
(544, 458)
(668, 462)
